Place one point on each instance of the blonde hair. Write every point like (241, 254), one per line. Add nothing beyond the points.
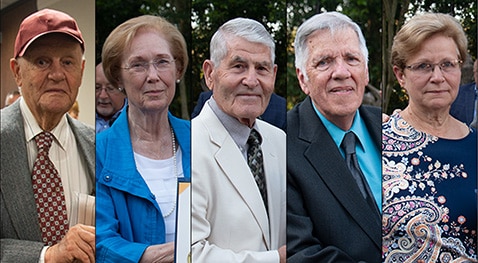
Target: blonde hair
(122, 36)
(410, 37)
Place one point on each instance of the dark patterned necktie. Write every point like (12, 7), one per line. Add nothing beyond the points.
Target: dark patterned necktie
(49, 194)
(256, 163)
(348, 145)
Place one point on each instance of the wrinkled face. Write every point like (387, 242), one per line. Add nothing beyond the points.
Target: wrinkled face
(154, 88)
(337, 73)
(50, 74)
(436, 89)
(243, 82)
(109, 99)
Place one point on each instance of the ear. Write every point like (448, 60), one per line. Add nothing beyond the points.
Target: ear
(15, 68)
(367, 78)
(83, 61)
(208, 69)
(304, 84)
(399, 75)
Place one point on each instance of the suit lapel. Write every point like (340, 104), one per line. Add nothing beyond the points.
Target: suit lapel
(16, 179)
(85, 138)
(274, 190)
(327, 161)
(235, 168)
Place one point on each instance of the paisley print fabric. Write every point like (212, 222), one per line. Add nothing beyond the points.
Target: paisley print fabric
(429, 196)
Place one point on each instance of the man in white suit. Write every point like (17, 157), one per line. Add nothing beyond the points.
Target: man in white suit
(231, 221)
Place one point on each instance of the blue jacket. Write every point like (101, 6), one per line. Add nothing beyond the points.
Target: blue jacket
(128, 219)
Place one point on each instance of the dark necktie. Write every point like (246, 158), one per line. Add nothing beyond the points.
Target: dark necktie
(49, 194)
(256, 163)
(348, 145)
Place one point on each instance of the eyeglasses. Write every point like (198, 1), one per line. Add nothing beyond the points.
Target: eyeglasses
(141, 67)
(109, 90)
(427, 68)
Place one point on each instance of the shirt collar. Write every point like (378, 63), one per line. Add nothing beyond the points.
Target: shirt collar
(337, 134)
(238, 131)
(32, 128)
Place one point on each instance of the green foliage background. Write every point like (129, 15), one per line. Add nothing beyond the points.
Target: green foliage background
(199, 19)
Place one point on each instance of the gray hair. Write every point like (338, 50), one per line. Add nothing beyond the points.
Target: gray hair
(332, 21)
(248, 29)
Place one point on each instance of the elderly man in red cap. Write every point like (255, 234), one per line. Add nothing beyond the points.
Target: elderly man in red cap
(47, 158)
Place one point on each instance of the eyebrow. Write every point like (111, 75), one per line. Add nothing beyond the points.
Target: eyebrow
(157, 56)
(239, 59)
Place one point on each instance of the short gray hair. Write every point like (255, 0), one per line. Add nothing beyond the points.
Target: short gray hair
(332, 21)
(246, 28)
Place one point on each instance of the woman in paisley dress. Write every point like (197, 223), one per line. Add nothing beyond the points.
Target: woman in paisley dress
(429, 158)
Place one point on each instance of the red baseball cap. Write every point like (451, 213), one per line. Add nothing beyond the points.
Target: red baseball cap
(44, 22)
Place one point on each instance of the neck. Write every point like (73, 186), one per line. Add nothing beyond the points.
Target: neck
(48, 123)
(151, 137)
(150, 126)
(440, 124)
(248, 122)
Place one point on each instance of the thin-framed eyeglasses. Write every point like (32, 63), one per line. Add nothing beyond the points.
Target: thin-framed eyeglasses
(141, 67)
(446, 66)
(109, 90)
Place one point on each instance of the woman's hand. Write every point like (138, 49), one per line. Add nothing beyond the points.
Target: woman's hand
(163, 253)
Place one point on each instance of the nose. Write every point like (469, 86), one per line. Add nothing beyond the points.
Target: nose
(56, 71)
(152, 74)
(103, 93)
(340, 70)
(437, 74)
(250, 79)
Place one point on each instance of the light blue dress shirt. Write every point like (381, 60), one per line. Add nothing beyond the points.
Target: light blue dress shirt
(368, 154)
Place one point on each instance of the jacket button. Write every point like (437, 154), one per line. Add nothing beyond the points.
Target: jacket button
(107, 178)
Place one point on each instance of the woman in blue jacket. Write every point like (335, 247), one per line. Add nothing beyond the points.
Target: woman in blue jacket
(141, 158)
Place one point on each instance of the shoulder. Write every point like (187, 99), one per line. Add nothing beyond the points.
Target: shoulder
(81, 129)
(270, 131)
(175, 121)
(371, 110)
(371, 115)
(277, 100)
(300, 109)
(9, 115)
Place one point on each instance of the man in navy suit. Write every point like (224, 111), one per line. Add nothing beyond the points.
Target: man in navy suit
(329, 217)
(464, 107)
(275, 112)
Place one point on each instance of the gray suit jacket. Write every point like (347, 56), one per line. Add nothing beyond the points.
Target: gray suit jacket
(21, 235)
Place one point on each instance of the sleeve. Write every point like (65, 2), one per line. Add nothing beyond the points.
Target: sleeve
(110, 246)
(14, 250)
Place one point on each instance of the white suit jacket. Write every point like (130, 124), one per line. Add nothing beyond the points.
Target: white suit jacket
(229, 220)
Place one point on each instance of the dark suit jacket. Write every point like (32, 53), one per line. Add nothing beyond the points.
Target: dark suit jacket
(21, 235)
(327, 221)
(274, 114)
(463, 108)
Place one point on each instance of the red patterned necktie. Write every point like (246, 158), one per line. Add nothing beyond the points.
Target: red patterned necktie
(49, 194)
